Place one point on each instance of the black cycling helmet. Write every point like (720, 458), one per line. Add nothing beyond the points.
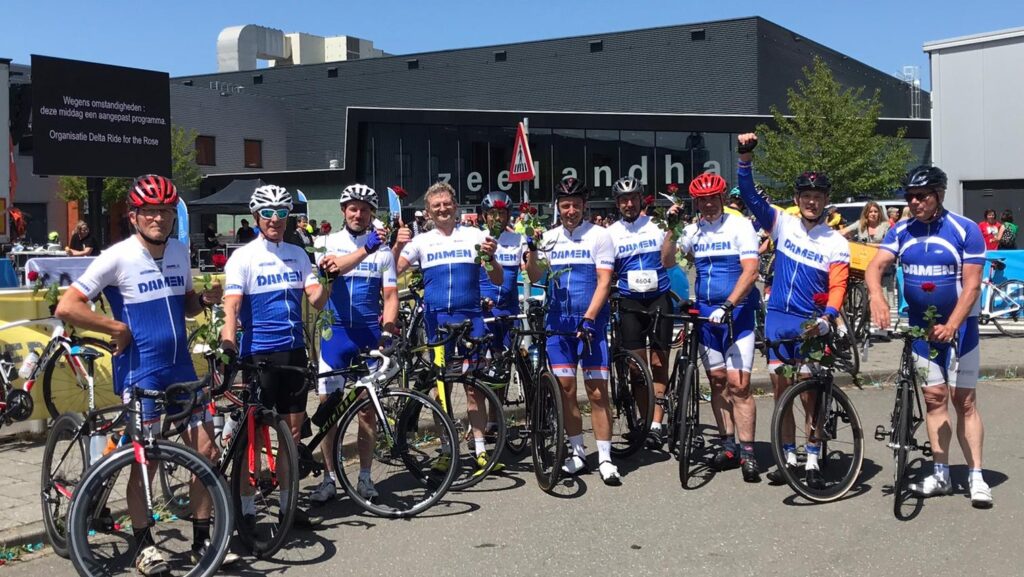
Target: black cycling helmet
(813, 181)
(571, 186)
(925, 176)
(627, 185)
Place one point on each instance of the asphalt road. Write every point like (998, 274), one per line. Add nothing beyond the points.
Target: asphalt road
(650, 526)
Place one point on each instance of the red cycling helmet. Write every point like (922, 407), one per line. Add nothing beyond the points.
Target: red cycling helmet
(152, 189)
(707, 184)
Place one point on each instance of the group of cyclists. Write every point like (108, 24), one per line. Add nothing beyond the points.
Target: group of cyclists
(147, 281)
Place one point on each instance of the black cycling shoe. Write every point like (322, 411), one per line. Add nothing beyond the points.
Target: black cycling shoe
(725, 460)
(775, 476)
(655, 439)
(304, 520)
(196, 554)
(751, 474)
(814, 479)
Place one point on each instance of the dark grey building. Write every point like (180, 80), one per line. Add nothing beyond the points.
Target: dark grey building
(662, 104)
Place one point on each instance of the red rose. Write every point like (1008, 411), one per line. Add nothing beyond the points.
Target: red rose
(820, 299)
(928, 286)
(673, 189)
(649, 199)
(219, 260)
(399, 191)
(533, 210)
(524, 207)
(33, 276)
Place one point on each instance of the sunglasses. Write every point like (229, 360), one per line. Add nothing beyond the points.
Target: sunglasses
(268, 213)
(918, 196)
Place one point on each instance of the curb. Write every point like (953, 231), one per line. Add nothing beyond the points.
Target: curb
(27, 534)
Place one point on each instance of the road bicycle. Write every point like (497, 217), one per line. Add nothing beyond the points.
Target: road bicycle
(66, 367)
(815, 414)
(906, 418)
(1002, 304)
(631, 387)
(108, 548)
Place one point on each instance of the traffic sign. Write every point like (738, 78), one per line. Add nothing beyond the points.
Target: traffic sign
(522, 161)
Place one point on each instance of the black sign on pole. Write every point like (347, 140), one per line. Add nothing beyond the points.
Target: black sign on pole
(99, 120)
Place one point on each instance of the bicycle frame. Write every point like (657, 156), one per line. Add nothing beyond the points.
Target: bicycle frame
(992, 290)
(58, 344)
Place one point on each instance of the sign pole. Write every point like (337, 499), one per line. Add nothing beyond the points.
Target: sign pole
(526, 183)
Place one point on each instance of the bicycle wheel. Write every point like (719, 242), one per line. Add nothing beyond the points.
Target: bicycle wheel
(517, 425)
(1011, 323)
(471, 471)
(856, 308)
(403, 472)
(839, 437)
(900, 438)
(113, 551)
(547, 431)
(846, 353)
(64, 389)
(632, 402)
(64, 464)
(688, 421)
(264, 483)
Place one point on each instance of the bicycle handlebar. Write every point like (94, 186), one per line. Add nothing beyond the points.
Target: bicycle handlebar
(192, 391)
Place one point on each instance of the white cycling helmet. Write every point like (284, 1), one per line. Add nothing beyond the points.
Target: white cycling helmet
(359, 192)
(270, 196)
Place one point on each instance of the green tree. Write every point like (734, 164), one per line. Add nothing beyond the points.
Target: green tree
(831, 129)
(184, 172)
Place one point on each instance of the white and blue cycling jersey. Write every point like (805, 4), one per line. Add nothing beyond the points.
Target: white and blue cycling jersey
(574, 257)
(718, 247)
(932, 256)
(509, 255)
(356, 296)
(451, 277)
(638, 258)
(148, 295)
(271, 279)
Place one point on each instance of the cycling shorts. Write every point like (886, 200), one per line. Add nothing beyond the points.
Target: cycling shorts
(779, 325)
(344, 346)
(958, 365)
(283, 391)
(434, 321)
(719, 351)
(635, 330)
(152, 410)
(566, 352)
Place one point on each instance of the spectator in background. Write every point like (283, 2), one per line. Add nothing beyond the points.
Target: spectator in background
(1009, 239)
(597, 219)
(245, 233)
(82, 242)
(325, 227)
(210, 238)
(314, 228)
(870, 228)
(991, 229)
(894, 216)
(303, 231)
(419, 224)
(905, 215)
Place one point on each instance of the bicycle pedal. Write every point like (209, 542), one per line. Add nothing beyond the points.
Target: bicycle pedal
(926, 449)
(880, 433)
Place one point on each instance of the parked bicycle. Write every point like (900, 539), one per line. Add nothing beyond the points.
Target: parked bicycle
(1003, 303)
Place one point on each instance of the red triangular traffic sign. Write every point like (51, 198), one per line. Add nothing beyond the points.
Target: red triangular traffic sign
(522, 161)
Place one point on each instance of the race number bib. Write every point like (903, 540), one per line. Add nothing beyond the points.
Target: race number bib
(642, 281)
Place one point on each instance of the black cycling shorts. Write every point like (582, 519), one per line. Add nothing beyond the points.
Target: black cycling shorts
(636, 330)
(283, 391)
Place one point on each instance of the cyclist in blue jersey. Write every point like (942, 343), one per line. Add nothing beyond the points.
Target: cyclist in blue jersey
(503, 299)
(265, 282)
(942, 255)
(724, 249)
(642, 257)
(812, 264)
(451, 284)
(580, 258)
(364, 279)
(148, 283)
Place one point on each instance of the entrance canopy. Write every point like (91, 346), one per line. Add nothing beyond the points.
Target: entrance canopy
(234, 199)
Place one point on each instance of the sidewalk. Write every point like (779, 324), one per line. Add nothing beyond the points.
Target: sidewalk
(20, 455)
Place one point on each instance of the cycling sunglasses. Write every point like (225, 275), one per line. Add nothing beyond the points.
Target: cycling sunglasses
(918, 196)
(268, 213)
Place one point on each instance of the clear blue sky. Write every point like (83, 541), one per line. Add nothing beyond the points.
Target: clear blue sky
(179, 37)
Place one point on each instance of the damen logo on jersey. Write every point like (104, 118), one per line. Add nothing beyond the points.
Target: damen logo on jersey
(802, 252)
(445, 254)
(648, 243)
(277, 278)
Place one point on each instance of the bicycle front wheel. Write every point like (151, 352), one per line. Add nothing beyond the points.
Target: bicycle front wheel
(111, 550)
(264, 482)
(901, 438)
(1010, 298)
(65, 376)
(838, 437)
(632, 402)
(400, 470)
(847, 354)
(474, 468)
(688, 421)
(64, 463)
(547, 431)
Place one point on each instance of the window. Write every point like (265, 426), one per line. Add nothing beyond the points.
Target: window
(332, 72)
(257, 79)
(500, 56)
(413, 64)
(254, 153)
(596, 45)
(206, 151)
(698, 34)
